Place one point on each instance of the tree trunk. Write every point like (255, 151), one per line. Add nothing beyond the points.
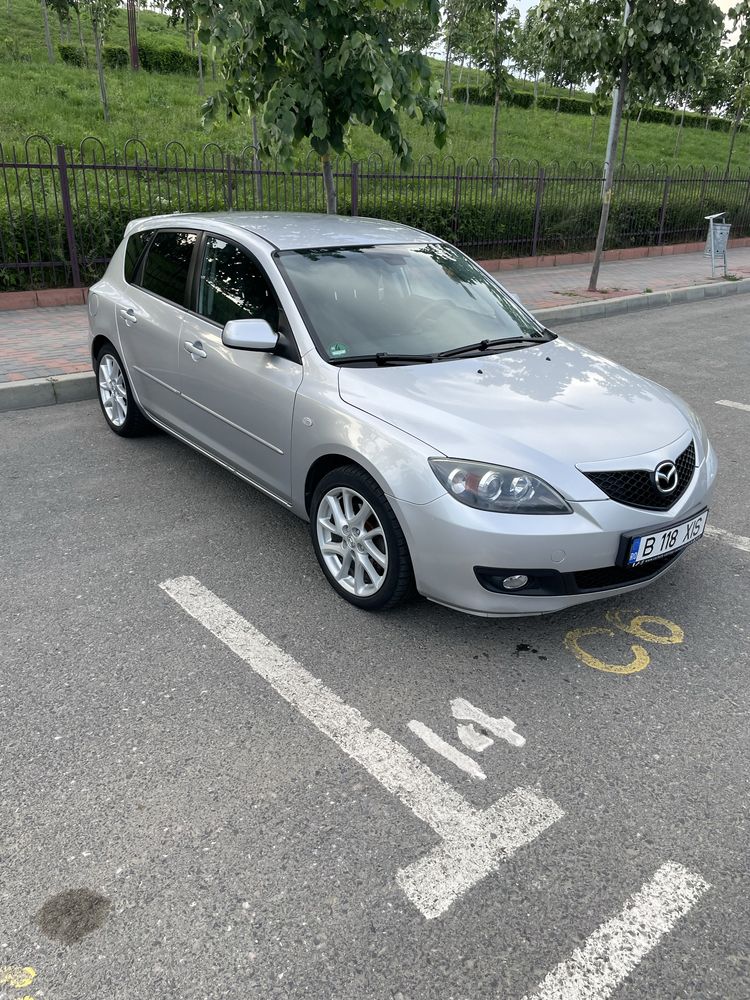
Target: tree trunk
(445, 96)
(735, 127)
(591, 137)
(708, 116)
(100, 71)
(679, 132)
(201, 89)
(47, 36)
(495, 117)
(625, 139)
(329, 184)
(256, 165)
(80, 39)
(536, 88)
(461, 71)
(609, 173)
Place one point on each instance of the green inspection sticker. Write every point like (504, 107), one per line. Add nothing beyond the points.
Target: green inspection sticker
(337, 350)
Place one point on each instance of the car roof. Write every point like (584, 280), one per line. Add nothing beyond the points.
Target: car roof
(298, 230)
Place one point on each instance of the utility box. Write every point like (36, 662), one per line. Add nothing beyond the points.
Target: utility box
(717, 240)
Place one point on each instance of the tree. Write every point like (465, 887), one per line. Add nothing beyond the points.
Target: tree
(659, 48)
(493, 46)
(738, 68)
(47, 36)
(101, 12)
(309, 71)
(62, 9)
(529, 48)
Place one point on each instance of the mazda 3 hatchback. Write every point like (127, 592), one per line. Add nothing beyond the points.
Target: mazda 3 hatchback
(378, 383)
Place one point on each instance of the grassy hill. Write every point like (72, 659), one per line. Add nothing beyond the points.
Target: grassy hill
(62, 102)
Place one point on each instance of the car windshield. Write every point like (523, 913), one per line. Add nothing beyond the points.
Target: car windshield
(414, 300)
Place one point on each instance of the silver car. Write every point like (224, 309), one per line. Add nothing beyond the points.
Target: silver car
(380, 384)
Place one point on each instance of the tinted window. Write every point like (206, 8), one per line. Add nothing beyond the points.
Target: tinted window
(167, 265)
(233, 286)
(133, 251)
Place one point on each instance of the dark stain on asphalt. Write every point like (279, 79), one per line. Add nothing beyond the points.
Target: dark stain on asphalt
(524, 647)
(71, 915)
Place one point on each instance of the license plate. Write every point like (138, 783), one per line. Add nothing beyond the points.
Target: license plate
(661, 543)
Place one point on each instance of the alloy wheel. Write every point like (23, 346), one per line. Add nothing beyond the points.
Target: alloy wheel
(352, 541)
(112, 390)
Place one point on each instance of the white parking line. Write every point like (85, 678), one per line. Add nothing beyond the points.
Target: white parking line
(735, 406)
(474, 843)
(438, 744)
(738, 541)
(595, 970)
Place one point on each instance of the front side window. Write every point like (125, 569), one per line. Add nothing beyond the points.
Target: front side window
(415, 299)
(133, 251)
(167, 266)
(233, 286)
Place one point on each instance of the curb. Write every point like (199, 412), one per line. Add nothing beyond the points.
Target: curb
(24, 395)
(633, 303)
(28, 393)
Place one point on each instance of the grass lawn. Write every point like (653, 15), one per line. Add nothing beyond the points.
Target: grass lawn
(62, 102)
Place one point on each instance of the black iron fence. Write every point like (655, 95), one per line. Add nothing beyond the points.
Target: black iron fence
(63, 210)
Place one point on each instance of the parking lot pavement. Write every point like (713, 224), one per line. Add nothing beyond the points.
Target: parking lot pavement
(219, 779)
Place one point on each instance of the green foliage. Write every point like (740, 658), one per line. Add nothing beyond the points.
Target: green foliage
(115, 57)
(308, 72)
(72, 55)
(160, 59)
(666, 43)
(153, 58)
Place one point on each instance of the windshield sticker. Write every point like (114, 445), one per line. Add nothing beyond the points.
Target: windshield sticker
(338, 350)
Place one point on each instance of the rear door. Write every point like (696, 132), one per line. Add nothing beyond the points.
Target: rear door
(150, 316)
(239, 403)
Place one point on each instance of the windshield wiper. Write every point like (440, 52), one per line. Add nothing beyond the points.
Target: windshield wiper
(484, 345)
(382, 358)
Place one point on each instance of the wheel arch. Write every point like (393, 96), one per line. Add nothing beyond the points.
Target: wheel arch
(327, 463)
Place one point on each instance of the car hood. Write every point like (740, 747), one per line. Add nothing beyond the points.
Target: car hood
(546, 409)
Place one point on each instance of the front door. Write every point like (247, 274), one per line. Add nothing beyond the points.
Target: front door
(238, 403)
(149, 318)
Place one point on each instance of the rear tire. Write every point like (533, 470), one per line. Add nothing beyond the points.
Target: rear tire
(358, 541)
(122, 413)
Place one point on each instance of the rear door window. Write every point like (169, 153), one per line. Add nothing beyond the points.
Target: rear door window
(133, 252)
(167, 266)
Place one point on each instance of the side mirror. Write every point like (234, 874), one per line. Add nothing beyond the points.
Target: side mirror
(249, 335)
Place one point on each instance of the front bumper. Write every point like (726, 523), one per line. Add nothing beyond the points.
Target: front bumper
(449, 542)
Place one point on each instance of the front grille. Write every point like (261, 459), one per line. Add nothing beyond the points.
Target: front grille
(635, 487)
(621, 576)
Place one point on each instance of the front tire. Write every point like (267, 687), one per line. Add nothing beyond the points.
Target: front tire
(358, 541)
(122, 413)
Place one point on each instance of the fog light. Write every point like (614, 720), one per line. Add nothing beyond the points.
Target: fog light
(515, 582)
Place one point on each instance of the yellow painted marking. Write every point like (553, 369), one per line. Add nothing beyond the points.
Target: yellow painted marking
(640, 660)
(17, 977)
(635, 627)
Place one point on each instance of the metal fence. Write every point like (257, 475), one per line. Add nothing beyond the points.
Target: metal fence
(63, 210)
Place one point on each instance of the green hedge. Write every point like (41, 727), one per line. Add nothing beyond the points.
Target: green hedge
(72, 54)
(485, 229)
(582, 106)
(153, 58)
(115, 57)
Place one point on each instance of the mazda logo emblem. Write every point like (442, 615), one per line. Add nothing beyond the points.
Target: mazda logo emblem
(665, 477)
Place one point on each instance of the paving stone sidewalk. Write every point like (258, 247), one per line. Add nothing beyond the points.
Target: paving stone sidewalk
(35, 343)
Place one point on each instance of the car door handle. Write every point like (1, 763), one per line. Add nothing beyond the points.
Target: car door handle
(129, 316)
(195, 350)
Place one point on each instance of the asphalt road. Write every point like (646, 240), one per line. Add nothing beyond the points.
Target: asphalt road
(219, 844)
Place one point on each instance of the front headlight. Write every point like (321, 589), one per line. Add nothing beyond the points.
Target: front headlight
(493, 487)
